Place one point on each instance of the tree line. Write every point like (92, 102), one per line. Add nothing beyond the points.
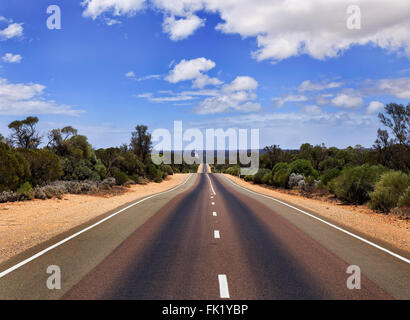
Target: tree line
(355, 175)
(68, 156)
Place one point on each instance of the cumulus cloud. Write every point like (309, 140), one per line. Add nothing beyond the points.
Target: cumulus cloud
(22, 99)
(94, 8)
(179, 29)
(237, 96)
(12, 58)
(312, 109)
(311, 86)
(280, 101)
(193, 70)
(374, 107)
(399, 87)
(13, 30)
(346, 101)
(283, 29)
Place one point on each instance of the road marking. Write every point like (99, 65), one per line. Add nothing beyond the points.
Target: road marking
(214, 214)
(328, 223)
(212, 188)
(216, 234)
(213, 203)
(223, 286)
(39, 254)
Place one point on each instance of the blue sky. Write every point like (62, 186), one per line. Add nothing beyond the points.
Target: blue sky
(294, 71)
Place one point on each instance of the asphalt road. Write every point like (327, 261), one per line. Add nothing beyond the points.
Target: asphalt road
(207, 239)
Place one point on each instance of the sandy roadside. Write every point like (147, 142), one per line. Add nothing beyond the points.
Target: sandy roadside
(387, 228)
(26, 224)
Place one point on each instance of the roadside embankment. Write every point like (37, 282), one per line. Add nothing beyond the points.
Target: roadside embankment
(26, 224)
(387, 228)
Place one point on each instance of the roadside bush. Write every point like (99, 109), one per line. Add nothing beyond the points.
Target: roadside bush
(153, 173)
(328, 176)
(267, 178)
(259, 175)
(330, 164)
(14, 169)
(303, 167)
(248, 178)
(388, 191)
(8, 196)
(404, 200)
(295, 180)
(233, 171)
(280, 175)
(25, 192)
(168, 170)
(44, 165)
(120, 177)
(354, 184)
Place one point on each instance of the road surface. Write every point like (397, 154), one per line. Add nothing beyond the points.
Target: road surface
(207, 239)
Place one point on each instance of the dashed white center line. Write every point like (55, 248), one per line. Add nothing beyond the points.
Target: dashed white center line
(216, 234)
(213, 203)
(214, 214)
(223, 286)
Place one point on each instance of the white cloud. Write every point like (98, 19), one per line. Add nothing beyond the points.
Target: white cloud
(399, 87)
(19, 99)
(290, 98)
(13, 30)
(311, 86)
(374, 107)
(111, 22)
(193, 70)
(204, 80)
(12, 58)
(94, 8)
(286, 28)
(130, 75)
(150, 97)
(346, 101)
(313, 109)
(237, 96)
(189, 69)
(179, 29)
(242, 83)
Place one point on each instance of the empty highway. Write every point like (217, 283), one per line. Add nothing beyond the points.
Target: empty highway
(207, 239)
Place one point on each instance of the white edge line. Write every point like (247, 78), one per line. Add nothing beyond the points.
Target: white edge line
(324, 221)
(223, 286)
(39, 254)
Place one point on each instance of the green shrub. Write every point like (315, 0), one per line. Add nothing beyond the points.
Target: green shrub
(259, 175)
(248, 178)
(168, 170)
(101, 170)
(45, 166)
(354, 184)
(329, 175)
(233, 171)
(388, 191)
(280, 166)
(26, 192)
(14, 169)
(404, 200)
(280, 174)
(153, 173)
(120, 177)
(303, 167)
(267, 178)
